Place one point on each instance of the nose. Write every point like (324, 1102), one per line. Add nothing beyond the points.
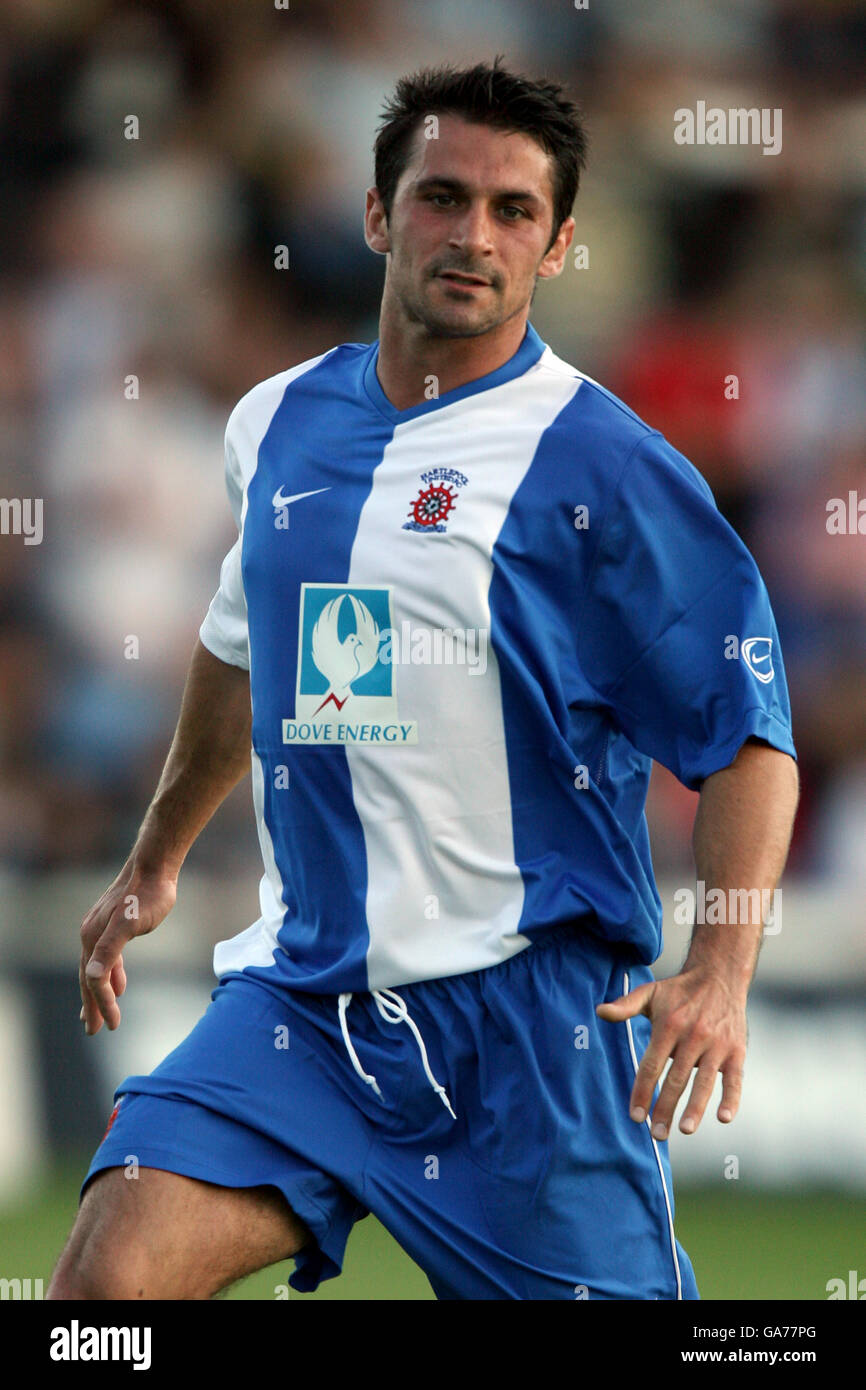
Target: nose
(470, 232)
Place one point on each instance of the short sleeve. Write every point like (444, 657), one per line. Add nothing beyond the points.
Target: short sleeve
(676, 629)
(224, 631)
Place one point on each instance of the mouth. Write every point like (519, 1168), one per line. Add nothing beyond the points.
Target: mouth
(468, 282)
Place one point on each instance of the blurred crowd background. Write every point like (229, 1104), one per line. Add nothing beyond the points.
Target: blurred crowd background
(153, 258)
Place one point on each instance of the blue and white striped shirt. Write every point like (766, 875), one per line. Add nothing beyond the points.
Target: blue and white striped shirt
(470, 626)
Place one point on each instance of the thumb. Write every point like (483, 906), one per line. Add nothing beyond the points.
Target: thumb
(637, 1001)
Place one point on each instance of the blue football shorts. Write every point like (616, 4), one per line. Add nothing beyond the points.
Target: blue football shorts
(483, 1118)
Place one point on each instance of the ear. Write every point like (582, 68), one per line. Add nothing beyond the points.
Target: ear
(554, 259)
(376, 224)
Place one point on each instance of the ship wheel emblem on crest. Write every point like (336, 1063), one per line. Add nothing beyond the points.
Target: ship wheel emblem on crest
(435, 501)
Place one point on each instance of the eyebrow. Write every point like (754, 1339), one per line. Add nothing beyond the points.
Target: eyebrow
(457, 186)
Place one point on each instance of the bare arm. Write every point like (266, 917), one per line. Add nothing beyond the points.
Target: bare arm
(209, 754)
(741, 838)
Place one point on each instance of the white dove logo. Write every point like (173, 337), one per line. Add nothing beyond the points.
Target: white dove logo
(341, 663)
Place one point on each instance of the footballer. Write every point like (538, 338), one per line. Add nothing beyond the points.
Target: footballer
(445, 1012)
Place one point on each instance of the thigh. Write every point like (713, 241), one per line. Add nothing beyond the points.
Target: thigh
(163, 1235)
(243, 1105)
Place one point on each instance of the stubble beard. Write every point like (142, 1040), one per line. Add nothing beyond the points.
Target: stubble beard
(417, 309)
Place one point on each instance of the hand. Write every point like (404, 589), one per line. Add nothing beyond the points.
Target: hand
(699, 1021)
(133, 905)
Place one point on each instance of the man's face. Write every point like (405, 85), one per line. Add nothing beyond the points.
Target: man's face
(469, 228)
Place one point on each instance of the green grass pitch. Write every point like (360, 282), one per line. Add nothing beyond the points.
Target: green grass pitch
(743, 1244)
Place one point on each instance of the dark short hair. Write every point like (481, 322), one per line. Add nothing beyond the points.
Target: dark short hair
(490, 95)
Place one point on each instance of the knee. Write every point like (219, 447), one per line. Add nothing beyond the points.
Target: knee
(88, 1275)
(68, 1283)
(103, 1261)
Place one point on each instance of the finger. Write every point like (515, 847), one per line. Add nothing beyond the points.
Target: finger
(92, 928)
(99, 968)
(637, 1001)
(89, 1011)
(118, 978)
(700, 1095)
(652, 1065)
(98, 981)
(678, 1077)
(732, 1089)
(83, 1015)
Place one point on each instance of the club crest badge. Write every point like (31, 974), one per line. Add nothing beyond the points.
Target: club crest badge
(436, 500)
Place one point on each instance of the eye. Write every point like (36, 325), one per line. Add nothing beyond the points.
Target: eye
(514, 207)
(448, 196)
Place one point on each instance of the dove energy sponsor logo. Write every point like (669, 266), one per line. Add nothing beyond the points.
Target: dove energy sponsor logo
(345, 690)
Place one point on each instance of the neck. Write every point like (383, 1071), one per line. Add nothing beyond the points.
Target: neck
(409, 356)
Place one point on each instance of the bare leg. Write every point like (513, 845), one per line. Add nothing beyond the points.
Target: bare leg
(161, 1235)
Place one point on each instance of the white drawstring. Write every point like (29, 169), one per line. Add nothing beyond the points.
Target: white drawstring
(393, 1010)
(343, 1002)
